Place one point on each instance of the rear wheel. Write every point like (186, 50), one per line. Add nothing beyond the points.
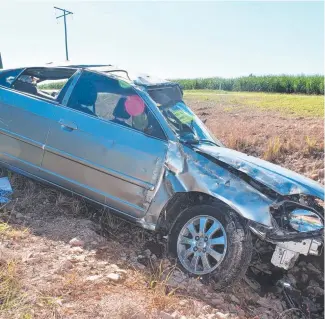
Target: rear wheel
(211, 241)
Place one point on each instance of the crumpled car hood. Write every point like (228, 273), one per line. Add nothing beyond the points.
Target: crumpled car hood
(277, 178)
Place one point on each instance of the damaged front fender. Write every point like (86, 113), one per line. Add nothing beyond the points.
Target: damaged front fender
(188, 171)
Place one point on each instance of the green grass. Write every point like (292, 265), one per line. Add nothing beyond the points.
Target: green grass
(305, 84)
(295, 104)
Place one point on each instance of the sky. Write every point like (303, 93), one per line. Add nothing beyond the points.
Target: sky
(169, 39)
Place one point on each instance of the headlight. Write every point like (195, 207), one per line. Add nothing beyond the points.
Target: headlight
(303, 220)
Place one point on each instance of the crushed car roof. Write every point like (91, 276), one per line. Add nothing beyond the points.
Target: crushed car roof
(137, 78)
(140, 79)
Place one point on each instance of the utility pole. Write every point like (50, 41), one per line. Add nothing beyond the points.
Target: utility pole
(65, 13)
(1, 65)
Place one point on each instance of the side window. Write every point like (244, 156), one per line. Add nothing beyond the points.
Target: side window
(7, 77)
(43, 82)
(113, 100)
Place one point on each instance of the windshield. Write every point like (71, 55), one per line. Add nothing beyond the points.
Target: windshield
(187, 126)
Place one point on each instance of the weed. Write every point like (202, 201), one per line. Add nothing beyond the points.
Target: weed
(11, 296)
(8, 232)
(237, 143)
(49, 302)
(163, 296)
(273, 150)
(72, 281)
(27, 315)
(160, 277)
(312, 146)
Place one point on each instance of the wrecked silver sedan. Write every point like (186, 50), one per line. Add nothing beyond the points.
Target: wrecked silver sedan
(134, 146)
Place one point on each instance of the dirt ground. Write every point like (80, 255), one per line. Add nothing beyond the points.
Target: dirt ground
(63, 258)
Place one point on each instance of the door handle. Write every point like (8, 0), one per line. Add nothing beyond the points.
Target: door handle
(68, 125)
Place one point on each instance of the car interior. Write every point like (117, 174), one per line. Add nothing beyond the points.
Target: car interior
(28, 82)
(84, 98)
(86, 95)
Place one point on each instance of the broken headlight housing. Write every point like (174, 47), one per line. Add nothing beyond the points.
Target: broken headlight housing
(304, 220)
(298, 228)
(294, 220)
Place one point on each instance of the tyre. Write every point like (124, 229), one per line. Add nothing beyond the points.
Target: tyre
(211, 241)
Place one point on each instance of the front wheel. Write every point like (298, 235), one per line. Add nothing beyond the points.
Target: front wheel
(213, 242)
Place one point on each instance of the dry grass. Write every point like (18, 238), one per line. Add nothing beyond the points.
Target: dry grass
(277, 148)
(154, 285)
(238, 143)
(313, 146)
(14, 301)
(164, 297)
(159, 278)
(274, 150)
(20, 300)
(10, 289)
(8, 232)
(12, 297)
(268, 139)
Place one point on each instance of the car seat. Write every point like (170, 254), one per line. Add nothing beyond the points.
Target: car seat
(120, 112)
(84, 97)
(25, 87)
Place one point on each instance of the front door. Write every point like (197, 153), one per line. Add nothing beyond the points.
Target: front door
(106, 145)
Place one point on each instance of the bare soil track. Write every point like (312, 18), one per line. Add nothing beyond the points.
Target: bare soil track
(115, 270)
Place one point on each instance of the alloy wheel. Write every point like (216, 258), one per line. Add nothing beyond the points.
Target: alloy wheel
(201, 244)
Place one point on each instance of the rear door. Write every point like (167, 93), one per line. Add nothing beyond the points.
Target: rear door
(24, 126)
(6, 78)
(26, 116)
(106, 145)
(23, 137)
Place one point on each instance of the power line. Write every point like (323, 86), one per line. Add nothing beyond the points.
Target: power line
(65, 13)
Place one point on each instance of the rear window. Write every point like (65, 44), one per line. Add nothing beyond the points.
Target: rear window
(8, 76)
(43, 82)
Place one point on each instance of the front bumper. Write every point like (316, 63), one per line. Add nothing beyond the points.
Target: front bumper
(289, 245)
(275, 235)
